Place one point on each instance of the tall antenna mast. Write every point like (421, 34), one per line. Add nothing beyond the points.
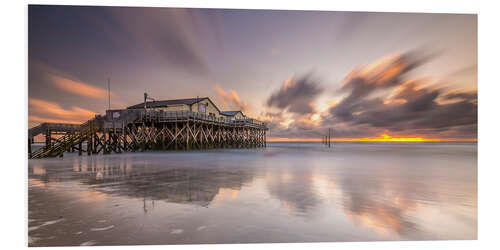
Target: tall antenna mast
(109, 94)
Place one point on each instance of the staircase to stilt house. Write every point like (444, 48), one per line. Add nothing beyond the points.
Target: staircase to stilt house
(64, 143)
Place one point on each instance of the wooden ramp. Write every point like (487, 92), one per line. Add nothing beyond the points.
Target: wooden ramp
(73, 135)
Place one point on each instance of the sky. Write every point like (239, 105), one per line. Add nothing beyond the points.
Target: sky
(363, 74)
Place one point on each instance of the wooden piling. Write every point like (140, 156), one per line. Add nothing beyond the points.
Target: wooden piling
(187, 135)
(29, 147)
(89, 139)
(329, 137)
(104, 143)
(48, 138)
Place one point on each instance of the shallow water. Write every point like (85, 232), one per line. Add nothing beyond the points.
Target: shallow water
(287, 192)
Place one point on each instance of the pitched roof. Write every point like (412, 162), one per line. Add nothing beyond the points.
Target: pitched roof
(231, 113)
(164, 103)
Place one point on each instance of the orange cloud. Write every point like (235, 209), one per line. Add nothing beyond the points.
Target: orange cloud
(45, 111)
(78, 88)
(232, 98)
(37, 119)
(381, 71)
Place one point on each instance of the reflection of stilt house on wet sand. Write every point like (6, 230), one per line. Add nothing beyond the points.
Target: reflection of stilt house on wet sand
(182, 184)
(180, 124)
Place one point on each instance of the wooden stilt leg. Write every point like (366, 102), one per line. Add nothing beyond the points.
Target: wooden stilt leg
(29, 147)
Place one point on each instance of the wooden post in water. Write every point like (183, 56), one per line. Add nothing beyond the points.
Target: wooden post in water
(175, 133)
(151, 140)
(89, 143)
(70, 148)
(95, 141)
(48, 138)
(29, 147)
(124, 137)
(265, 139)
(104, 142)
(187, 135)
(89, 139)
(329, 137)
(143, 136)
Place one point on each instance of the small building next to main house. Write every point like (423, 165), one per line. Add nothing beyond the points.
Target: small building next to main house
(201, 105)
(233, 115)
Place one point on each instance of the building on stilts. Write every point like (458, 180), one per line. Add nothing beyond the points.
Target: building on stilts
(179, 124)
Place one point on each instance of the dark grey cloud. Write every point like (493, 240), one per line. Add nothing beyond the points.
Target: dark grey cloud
(296, 95)
(411, 108)
(466, 96)
(384, 74)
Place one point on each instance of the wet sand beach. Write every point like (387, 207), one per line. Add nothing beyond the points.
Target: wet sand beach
(287, 192)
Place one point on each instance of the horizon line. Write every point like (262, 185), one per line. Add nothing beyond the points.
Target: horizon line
(374, 139)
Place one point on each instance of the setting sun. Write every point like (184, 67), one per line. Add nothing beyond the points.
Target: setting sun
(386, 137)
(381, 138)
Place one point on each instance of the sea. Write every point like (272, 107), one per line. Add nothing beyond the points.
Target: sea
(286, 192)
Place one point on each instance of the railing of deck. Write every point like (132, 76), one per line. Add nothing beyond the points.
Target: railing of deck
(182, 115)
(58, 127)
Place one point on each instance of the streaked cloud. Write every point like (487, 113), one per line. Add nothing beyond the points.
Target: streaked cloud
(78, 88)
(380, 97)
(295, 95)
(232, 99)
(45, 111)
(169, 35)
(37, 119)
(167, 51)
(412, 105)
